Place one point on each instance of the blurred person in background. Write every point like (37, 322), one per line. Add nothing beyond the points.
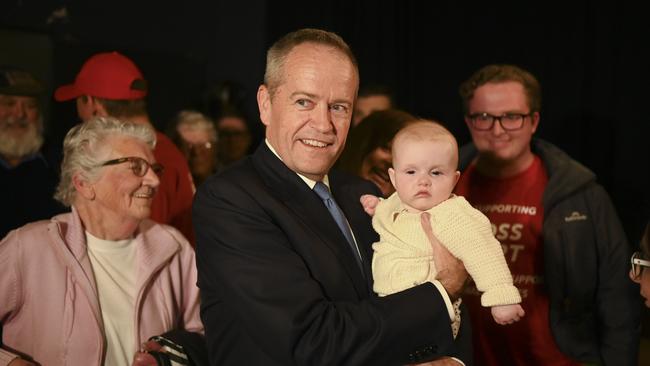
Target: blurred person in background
(371, 98)
(234, 136)
(367, 152)
(27, 179)
(562, 238)
(196, 137)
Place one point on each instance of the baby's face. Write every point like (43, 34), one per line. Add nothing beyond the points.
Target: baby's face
(424, 173)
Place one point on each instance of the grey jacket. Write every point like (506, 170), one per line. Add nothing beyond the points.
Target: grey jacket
(594, 307)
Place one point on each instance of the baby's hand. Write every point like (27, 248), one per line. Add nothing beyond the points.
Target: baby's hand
(507, 314)
(369, 203)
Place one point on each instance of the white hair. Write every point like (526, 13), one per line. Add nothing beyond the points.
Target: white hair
(83, 144)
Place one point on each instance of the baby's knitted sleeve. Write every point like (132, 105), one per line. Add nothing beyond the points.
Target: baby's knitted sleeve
(467, 233)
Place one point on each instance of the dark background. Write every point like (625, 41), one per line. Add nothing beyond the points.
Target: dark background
(590, 58)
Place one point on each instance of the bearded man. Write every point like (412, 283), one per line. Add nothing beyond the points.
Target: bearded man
(27, 180)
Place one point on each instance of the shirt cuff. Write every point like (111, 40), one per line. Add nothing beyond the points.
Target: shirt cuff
(445, 297)
(6, 357)
(459, 361)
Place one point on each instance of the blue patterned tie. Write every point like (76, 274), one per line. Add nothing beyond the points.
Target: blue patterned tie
(324, 193)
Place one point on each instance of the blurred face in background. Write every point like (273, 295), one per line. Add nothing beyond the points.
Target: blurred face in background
(199, 147)
(640, 270)
(368, 104)
(234, 139)
(375, 169)
(21, 126)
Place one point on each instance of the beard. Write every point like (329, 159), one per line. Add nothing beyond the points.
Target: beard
(18, 144)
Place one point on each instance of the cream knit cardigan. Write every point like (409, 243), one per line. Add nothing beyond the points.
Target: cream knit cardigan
(403, 255)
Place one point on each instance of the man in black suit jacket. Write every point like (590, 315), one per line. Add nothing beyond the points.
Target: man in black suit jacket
(279, 283)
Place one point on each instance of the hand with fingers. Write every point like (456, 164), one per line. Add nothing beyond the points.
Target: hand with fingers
(451, 271)
(369, 203)
(507, 314)
(144, 358)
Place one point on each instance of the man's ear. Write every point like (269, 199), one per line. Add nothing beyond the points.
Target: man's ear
(264, 104)
(83, 187)
(98, 108)
(391, 175)
(535, 120)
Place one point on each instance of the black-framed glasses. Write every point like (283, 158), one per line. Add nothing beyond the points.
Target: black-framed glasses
(638, 263)
(508, 121)
(139, 166)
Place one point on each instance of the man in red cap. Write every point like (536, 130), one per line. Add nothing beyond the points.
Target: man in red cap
(110, 84)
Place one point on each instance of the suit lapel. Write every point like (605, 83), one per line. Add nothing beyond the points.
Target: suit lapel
(309, 209)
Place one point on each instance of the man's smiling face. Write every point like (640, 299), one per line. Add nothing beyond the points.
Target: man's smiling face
(308, 117)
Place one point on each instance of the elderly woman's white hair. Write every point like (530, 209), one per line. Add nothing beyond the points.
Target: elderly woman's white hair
(83, 145)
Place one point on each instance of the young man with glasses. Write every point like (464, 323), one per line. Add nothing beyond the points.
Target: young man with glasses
(559, 231)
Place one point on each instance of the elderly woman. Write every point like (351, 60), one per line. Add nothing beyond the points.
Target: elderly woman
(88, 287)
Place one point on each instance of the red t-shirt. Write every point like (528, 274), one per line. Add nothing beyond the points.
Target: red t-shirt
(514, 207)
(172, 204)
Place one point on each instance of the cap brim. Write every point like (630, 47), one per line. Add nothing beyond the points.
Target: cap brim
(66, 92)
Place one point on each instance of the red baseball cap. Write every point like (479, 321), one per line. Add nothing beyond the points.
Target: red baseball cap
(108, 75)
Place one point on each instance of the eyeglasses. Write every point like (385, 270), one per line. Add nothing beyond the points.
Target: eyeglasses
(508, 121)
(202, 146)
(139, 166)
(638, 264)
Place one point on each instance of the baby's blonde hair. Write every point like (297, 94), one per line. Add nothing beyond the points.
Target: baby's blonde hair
(426, 130)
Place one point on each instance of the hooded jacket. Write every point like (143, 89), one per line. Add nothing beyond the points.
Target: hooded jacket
(594, 308)
(49, 305)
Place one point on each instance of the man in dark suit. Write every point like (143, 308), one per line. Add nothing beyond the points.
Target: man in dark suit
(280, 283)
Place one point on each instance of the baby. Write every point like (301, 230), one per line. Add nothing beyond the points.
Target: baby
(424, 173)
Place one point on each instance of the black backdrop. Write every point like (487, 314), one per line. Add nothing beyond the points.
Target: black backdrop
(590, 58)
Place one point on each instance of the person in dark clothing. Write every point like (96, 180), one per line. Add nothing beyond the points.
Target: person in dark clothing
(27, 179)
(284, 271)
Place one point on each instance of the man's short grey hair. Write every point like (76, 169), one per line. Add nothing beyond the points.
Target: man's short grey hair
(83, 149)
(276, 56)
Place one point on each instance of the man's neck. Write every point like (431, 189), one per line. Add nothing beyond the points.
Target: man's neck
(310, 181)
(495, 168)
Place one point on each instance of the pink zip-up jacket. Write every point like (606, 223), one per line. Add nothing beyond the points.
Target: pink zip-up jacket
(48, 299)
